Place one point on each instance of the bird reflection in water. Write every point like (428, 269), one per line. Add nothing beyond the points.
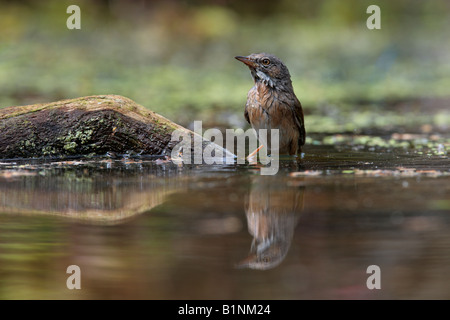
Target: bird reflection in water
(272, 212)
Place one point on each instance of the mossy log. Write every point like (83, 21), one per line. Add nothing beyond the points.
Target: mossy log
(85, 126)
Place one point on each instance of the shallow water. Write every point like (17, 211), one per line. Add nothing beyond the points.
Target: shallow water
(141, 229)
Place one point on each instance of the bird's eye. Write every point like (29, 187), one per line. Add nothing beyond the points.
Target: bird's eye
(265, 61)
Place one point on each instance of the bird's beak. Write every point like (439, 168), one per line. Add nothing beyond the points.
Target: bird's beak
(247, 262)
(247, 61)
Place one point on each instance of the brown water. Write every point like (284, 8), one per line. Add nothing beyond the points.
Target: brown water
(141, 229)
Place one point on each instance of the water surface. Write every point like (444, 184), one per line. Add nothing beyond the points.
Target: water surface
(143, 229)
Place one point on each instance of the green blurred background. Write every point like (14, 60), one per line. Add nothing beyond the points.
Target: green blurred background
(177, 57)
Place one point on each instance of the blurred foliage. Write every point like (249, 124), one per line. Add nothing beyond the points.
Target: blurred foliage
(176, 57)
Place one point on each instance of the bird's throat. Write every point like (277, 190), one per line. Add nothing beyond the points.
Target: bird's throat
(259, 76)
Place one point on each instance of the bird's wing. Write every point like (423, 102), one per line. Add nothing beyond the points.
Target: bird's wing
(299, 121)
(295, 106)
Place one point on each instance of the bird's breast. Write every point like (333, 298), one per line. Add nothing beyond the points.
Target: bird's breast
(267, 109)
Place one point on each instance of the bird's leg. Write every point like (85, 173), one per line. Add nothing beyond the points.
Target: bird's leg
(251, 155)
(253, 246)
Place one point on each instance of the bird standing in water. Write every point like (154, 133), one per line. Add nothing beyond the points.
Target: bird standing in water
(272, 103)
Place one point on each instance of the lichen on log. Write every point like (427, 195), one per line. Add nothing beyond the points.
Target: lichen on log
(85, 126)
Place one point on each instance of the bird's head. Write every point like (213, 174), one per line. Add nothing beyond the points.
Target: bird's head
(268, 69)
(265, 255)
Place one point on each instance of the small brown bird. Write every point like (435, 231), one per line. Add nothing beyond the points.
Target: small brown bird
(272, 103)
(273, 211)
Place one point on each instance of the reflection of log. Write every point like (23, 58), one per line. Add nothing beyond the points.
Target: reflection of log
(91, 125)
(272, 212)
(102, 199)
